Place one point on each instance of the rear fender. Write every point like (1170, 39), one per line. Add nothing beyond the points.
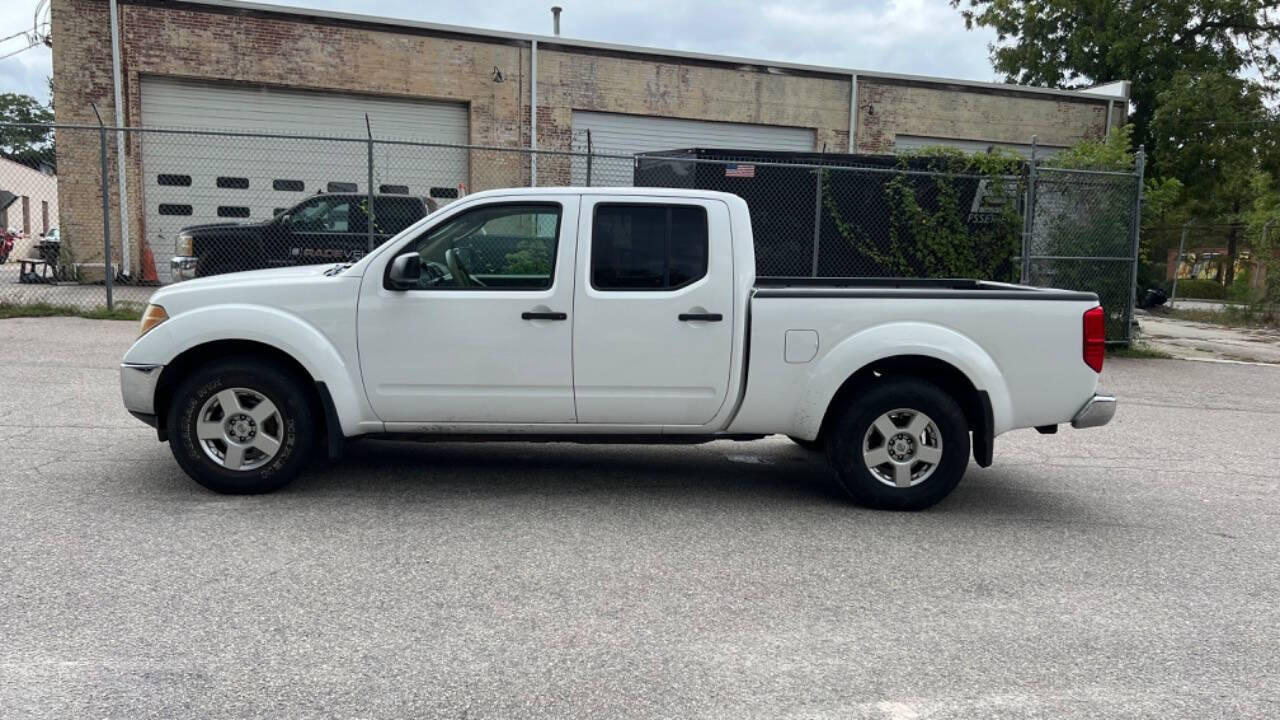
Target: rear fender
(896, 339)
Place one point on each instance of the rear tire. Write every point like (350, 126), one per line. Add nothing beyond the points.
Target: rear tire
(241, 425)
(901, 445)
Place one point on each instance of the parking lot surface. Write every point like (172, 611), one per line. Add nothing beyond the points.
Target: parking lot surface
(1127, 571)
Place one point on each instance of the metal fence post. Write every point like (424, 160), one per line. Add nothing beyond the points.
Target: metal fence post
(106, 206)
(370, 219)
(1029, 219)
(1268, 260)
(817, 219)
(1140, 164)
(588, 157)
(1177, 262)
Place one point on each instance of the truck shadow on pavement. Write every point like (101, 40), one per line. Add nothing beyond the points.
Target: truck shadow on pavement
(433, 469)
(740, 474)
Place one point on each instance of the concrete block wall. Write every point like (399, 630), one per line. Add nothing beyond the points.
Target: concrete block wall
(887, 108)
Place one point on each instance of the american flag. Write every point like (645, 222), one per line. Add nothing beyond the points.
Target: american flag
(745, 171)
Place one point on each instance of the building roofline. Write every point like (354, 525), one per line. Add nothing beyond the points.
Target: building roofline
(237, 6)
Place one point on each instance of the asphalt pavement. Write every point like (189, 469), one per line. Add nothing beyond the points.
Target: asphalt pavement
(1128, 571)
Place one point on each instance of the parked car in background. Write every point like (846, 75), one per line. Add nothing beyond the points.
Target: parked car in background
(615, 315)
(324, 228)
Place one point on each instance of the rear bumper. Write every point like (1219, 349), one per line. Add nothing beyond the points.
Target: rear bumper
(1098, 411)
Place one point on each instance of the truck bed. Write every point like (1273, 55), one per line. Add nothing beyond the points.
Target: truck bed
(864, 287)
(1027, 356)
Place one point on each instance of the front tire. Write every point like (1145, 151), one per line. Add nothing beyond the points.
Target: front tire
(901, 445)
(241, 426)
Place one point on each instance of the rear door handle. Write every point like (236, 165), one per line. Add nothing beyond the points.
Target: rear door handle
(544, 316)
(703, 317)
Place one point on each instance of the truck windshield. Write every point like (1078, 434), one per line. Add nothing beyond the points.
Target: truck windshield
(323, 215)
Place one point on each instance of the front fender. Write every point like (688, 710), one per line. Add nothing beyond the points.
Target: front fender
(896, 339)
(267, 325)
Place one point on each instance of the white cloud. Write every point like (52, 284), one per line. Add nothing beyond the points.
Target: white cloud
(924, 37)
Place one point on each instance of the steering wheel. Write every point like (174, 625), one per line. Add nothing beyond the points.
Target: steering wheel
(454, 261)
(434, 271)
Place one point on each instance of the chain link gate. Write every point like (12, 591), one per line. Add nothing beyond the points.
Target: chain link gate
(1082, 233)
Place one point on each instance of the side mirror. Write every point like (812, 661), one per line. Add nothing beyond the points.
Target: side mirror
(405, 271)
(283, 218)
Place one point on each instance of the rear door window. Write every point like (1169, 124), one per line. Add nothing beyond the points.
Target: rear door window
(648, 247)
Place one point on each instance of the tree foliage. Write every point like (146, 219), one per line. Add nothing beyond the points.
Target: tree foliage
(1160, 195)
(30, 146)
(1219, 138)
(1077, 43)
(1203, 72)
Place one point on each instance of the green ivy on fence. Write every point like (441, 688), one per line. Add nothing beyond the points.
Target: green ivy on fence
(931, 231)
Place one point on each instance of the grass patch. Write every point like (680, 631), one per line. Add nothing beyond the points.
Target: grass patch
(1137, 350)
(120, 312)
(1230, 316)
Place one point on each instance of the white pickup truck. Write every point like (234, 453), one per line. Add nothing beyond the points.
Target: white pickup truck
(606, 315)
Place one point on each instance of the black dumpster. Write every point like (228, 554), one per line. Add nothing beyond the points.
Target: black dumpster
(858, 215)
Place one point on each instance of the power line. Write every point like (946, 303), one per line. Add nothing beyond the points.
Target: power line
(1236, 122)
(15, 52)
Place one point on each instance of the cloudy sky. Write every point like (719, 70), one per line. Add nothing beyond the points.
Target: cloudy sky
(925, 37)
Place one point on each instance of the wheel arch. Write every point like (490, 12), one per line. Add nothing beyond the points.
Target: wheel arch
(198, 335)
(319, 401)
(934, 353)
(975, 403)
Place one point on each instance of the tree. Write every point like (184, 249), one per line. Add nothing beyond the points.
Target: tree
(1218, 137)
(30, 146)
(1077, 43)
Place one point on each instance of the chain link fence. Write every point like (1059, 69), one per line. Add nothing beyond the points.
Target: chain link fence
(1082, 234)
(201, 203)
(1217, 262)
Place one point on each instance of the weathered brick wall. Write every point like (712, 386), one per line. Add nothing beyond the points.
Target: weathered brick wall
(82, 78)
(887, 109)
(572, 80)
(294, 53)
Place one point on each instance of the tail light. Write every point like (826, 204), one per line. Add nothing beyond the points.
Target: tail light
(1095, 338)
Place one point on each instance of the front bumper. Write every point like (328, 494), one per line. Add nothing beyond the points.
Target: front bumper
(138, 388)
(183, 268)
(1097, 412)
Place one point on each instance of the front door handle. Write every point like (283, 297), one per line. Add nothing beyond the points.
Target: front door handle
(543, 316)
(703, 317)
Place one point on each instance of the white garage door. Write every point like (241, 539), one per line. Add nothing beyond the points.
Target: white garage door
(619, 134)
(192, 179)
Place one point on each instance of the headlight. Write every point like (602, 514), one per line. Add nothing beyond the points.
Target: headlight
(151, 317)
(182, 246)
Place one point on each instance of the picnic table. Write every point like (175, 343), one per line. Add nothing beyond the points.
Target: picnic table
(41, 263)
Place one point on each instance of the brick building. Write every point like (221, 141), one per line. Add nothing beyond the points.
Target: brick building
(237, 66)
(28, 203)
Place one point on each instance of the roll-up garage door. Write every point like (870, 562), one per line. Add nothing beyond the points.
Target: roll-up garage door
(193, 179)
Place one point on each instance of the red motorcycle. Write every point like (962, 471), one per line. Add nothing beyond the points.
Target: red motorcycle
(6, 245)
